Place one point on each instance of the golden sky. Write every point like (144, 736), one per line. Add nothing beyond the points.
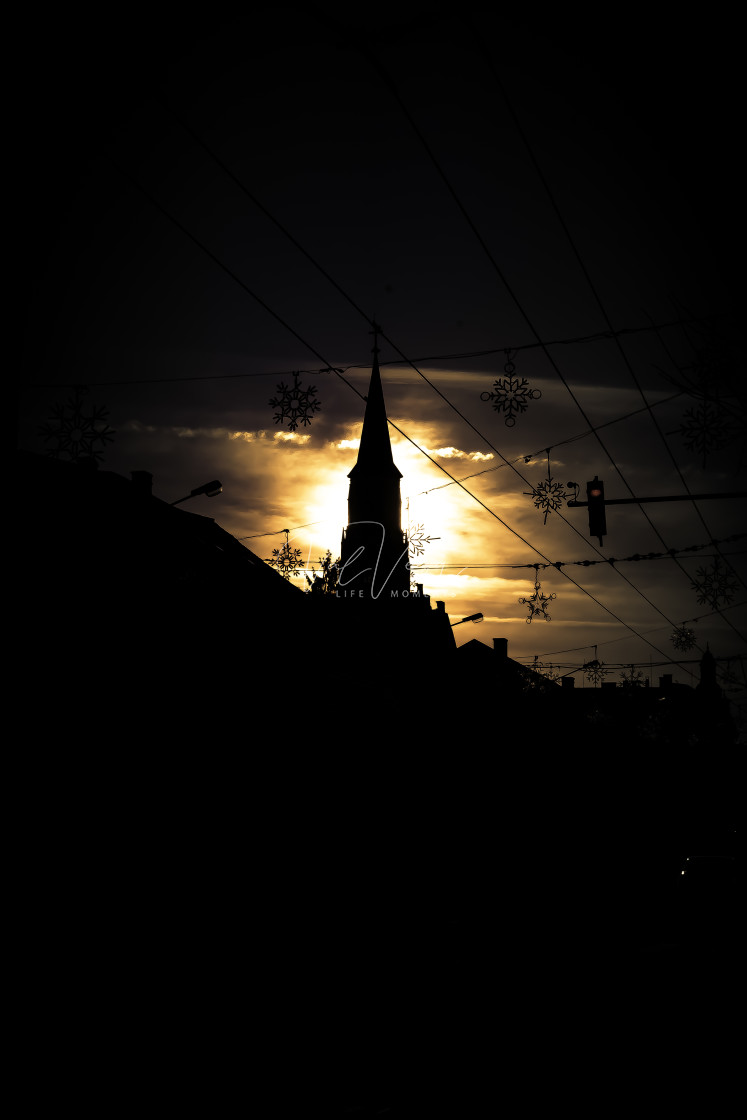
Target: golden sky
(228, 222)
(484, 535)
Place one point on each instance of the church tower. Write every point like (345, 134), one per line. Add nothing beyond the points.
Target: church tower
(374, 549)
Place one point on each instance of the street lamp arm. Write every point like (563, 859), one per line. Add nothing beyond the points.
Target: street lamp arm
(211, 489)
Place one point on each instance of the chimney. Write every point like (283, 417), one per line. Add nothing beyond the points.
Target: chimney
(142, 482)
(500, 648)
(665, 681)
(567, 682)
(440, 606)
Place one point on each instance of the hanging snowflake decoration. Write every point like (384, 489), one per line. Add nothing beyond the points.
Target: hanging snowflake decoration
(294, 403)
(712, 381)
(633, 678)
(539, 678)
(595, 671)
(287, 560)
(547, 671)
(714, 585)
(76, 432)
(705, 429)
(510, 394)
(537, 602)
(683, 638)
(549, 495)
(417, 541)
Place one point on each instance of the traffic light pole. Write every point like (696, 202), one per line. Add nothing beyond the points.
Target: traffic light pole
(668, 498)
(597, 503)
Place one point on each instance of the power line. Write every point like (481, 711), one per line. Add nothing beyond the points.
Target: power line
(171, 380)
(613, 641)
(603, 335)
(196, 241)
(321, 358)
(599, 303)
(379, 69)
(596, 337)
(363, 314)
(565, 563)
(645, 556)
(388, 81)
(541, 451)
(700, 515)
(279, 532)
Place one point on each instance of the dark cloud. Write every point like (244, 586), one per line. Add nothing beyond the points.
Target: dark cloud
(155, 279)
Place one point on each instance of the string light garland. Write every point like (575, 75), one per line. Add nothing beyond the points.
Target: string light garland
(637, 556)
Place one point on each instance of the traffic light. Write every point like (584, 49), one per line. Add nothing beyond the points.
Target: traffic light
(595, 501)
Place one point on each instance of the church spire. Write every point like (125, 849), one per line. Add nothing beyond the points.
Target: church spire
(375, 450)
(374, 548)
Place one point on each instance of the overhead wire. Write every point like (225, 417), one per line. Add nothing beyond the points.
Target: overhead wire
(732, 404)
(368, 320)
(338, 373)
(541, 451)
(357, 365)
(195, 240)
(624, 638)
(172, 380)
(389, 83)
(201, 245)
(609, 560)
(600, 304)
(558, 564)
(279, 532)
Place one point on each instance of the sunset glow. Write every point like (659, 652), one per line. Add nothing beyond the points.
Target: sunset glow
(187, 292)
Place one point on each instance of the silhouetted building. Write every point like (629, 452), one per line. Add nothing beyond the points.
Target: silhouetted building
(374, 549)
(608, 715)
(493, 668)
(377, 628)
(133, 607)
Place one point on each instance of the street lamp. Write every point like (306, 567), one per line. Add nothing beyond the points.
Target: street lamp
(210, 489)
(469, 618)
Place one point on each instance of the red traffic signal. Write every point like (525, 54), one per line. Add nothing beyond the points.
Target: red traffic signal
(595, 502)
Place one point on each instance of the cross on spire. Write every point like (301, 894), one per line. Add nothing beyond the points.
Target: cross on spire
(375, 332)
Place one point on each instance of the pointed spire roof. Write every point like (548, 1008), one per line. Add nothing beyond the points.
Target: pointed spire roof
(375, 450)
